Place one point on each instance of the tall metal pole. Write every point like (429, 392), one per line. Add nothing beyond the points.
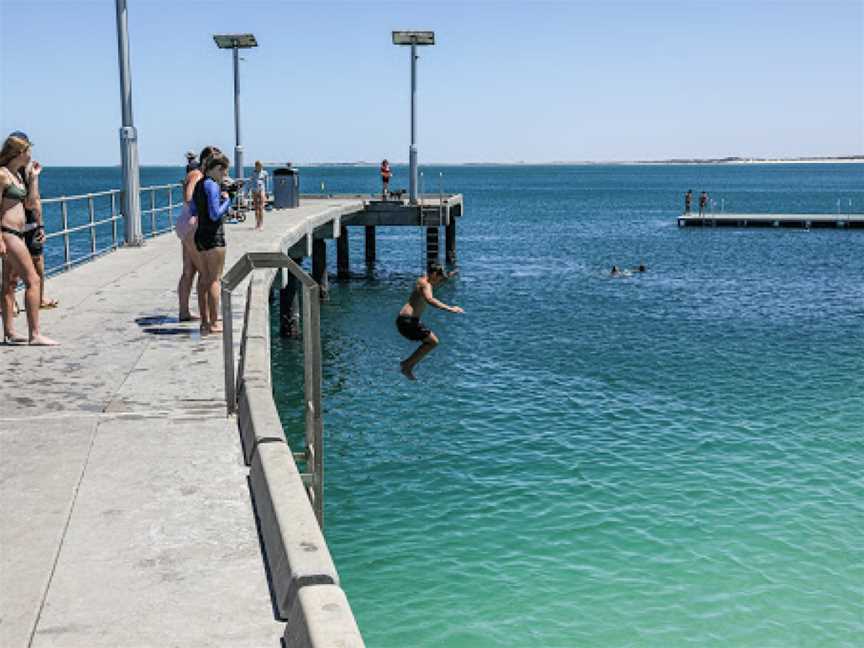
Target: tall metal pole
(131, 204)
(412, 151)
(238, 147)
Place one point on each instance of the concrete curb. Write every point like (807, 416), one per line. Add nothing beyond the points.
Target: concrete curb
(304, 581)
(297, 554)
(322, 617)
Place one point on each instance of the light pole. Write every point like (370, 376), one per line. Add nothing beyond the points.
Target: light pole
(413, 38)
(131, 203)
(236, 42)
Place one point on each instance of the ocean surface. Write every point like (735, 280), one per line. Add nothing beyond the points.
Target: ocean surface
(667, 459)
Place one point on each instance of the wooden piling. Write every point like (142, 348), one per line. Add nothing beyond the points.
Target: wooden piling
(432, 241)
(370, 244)
(342, 255)
(319, 265)
(450, 240)
(289, 312)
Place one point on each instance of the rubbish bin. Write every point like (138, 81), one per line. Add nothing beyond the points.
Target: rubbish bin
(286, 188)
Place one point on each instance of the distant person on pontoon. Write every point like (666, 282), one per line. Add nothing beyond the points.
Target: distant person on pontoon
(703, 201)
(408, 322)
(258, 189)
(16, 196)
(688, 201)
(385, 178)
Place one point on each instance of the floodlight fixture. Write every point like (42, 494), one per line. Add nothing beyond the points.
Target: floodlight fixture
(413, 37)
(230, 41)
(236, 42)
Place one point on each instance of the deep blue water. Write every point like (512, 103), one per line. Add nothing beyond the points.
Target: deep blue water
(668, 459)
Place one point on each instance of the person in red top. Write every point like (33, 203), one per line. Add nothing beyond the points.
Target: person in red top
(385, 178)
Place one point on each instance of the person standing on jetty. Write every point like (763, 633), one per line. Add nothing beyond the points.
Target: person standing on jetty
(34, 237)
(703, 201)
(385, 178)
(258, 190)
(187, 222)
(16, 197)
(408, 322)
(211, 206)
(688, 201)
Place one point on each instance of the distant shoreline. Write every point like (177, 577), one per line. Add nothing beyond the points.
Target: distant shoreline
(847, 159)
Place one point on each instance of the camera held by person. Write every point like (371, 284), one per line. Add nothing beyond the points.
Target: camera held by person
(231, 186)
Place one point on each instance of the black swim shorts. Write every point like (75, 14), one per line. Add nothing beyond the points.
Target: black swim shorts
(412, 328)
(33, 246)
(209, 240)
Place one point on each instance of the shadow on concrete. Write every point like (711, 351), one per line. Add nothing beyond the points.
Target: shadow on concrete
(266, 563)
(155, 325)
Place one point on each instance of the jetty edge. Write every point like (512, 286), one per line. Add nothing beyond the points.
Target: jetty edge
(126, 500)
(806, 221)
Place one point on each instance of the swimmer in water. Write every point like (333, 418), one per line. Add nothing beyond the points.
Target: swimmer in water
(408, 321)
(615, 271)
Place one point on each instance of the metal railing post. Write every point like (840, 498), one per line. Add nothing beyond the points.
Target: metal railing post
(64, 215)
(114, 220)
(152, 213)
(170, 208)
(92, 214)
(312, 389)
(228, 351)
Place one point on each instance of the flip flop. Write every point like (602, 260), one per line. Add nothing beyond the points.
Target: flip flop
(51, 303)
(14, 340)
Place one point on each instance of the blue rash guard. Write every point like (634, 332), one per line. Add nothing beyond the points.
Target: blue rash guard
(206, 200)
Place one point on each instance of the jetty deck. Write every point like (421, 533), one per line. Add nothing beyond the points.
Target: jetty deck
(126, 516)
(807, 221)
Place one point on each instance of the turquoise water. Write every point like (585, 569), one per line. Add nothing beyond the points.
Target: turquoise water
(660, 460)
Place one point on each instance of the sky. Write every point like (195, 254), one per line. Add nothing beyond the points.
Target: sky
(505, 82)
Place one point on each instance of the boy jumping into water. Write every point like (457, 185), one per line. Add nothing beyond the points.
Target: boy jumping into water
(409, 324)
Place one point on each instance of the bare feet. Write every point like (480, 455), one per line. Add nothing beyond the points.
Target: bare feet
(215, 327)
(41, 340)
(49, 303)
(188, 317)
(14, 338)
(407, 371)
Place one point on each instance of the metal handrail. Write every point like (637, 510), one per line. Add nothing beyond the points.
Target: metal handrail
(91, 213)
(312, 373)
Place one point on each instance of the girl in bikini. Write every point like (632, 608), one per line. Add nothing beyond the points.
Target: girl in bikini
(14, 156)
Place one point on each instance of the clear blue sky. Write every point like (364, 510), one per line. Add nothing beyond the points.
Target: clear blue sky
(507, 81)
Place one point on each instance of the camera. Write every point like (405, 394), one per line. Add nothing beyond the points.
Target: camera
(230, 186)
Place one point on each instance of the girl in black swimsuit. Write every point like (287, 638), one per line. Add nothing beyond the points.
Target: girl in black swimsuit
(211, 206)
(14, 156)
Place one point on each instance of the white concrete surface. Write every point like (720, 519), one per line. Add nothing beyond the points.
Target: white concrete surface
(126, 516)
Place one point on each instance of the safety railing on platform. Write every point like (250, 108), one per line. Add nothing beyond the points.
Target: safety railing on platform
(90, 225)
(313, 454)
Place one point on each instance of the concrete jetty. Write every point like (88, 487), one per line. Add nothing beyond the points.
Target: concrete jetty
(126, 512)
(807, 221)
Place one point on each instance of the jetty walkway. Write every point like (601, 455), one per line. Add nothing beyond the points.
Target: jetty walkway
(126, 517)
